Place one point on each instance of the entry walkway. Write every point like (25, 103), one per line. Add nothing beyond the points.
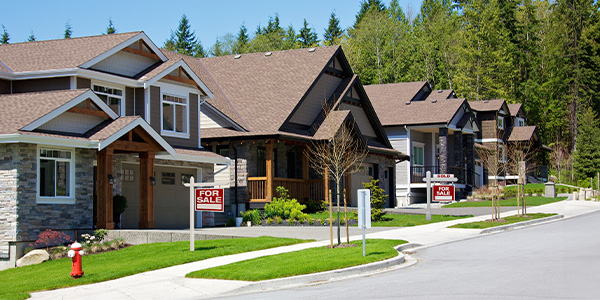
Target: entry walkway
(170, 283)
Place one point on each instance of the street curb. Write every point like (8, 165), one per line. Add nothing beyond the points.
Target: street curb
(520, 224)
(328, 275)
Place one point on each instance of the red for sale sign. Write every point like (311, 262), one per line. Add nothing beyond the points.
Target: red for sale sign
(209, 200)
(443, 193)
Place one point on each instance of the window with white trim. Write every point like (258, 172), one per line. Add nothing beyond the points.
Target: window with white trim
(500, 122)
(111, 96)
(174, 111)
(519, 122)
(55, 173)
(418, 154)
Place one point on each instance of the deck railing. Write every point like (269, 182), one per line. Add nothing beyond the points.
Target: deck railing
(302, 190)
(418, 172)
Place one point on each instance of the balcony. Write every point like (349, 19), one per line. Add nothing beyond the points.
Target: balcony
(300, 189)
(418, 173)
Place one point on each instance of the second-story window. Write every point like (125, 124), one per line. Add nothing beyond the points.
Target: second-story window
(500, 123)
(111, 96)
(174, 114)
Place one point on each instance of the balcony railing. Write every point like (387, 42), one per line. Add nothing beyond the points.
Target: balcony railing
(418, 172)
(302, 190)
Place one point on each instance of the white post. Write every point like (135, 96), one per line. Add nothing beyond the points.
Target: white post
(192, 211)
(364, 224)
(428, 212)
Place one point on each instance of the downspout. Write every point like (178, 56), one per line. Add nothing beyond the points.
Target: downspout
(235, 197)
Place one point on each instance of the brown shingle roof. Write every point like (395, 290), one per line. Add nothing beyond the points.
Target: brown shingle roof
(514, 108)
(58, 54)
(266, 88)
(523, 133)
(106, 130)
(19, 110)
(440, 95)
(487, 105)
(389, 101)
(332, 124)
(199, 153)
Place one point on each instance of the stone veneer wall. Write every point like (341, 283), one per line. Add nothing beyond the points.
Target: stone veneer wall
(24, 217)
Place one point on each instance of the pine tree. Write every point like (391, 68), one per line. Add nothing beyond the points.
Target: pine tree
(184, 41)
(307, 36)
(587, 156)
(111, 28)
(366, 6)
(217, 49)
(31, 37)
(68, 31)
(290, 39)
(333, 33)
(241, 43)
(5, 37)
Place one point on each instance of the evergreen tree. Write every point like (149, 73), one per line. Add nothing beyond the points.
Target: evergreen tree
(333, 33)
(111, 28)
(217, 49)
(307, 36)
(587, 156)
(184, 41)
(366, 6)
(31, 37)
(5, 37)
(270, 38)
(241, 43)
(290, 39)
(401, 47)
(68, 31)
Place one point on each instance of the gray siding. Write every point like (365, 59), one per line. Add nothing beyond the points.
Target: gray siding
(129, 101)
(4, 86)
(139, 102)
(312, 104)
(402, 176)
(155, 108)
(193, 122)
(40, 85)
(84, 83)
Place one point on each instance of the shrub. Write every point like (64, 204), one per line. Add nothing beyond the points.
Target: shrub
(100, 234)
(51, 238)
(252, 215)
(539, 192)
(311, 221)
(284, 207)
(509, 193)
(279, 220)
(377, 199)
(230, 222)
(269, 221)
(314, 206)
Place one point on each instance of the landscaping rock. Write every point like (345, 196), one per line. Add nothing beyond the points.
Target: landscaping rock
(34, 257)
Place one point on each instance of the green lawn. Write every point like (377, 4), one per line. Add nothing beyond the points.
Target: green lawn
(17, 283)
(394, 220)
(306, 261)
(532, 187)
(529, 201)
(509, 220)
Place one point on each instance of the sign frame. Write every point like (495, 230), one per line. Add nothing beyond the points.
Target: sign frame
(436, 191)
(221, 195)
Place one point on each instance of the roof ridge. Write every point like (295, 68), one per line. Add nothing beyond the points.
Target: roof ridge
(82, 90)
(274, 51)
(75, 38)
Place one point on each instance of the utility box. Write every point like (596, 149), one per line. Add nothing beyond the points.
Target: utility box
(550, 190)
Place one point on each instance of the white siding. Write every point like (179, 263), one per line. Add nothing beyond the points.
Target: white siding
(222, 174)
(124, 63)
(73, 123)
(209, 120)
(361, 119)
(402, 176)
(311, 106)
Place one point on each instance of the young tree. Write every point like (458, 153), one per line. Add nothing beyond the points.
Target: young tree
(4, 38)
(68, 31)
(490, 156)
(111, 28)
(307, 36)
(184, 41)
(31, 37)
(340, 154)
(333, 32)
(520, 158)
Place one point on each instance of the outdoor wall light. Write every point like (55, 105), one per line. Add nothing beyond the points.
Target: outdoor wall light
(111, 179)
(152, 180)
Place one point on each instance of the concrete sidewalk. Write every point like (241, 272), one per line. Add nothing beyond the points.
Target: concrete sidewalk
(170, 283)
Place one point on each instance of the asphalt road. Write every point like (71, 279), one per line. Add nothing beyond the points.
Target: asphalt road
(560, 260)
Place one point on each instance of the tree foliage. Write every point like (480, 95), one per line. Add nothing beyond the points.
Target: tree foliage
(68, 31)
(184, 40)
(5, 37)
(333, 32)
(110, 29)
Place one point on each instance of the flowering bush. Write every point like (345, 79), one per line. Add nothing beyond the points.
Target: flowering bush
(51, 238)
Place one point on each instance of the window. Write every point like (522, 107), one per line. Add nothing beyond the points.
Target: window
(55, 173)
(501, 153)
(500, 122)
(128, 175)
(168, 178)
(174, 114)
(519, 122)
(185, 178)
(418, 158)
(111, 96)
(223, 150)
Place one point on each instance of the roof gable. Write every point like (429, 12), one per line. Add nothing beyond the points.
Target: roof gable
(389, 100)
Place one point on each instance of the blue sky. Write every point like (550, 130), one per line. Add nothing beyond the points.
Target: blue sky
(210, 19)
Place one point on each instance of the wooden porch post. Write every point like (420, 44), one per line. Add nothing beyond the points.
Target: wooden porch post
(104, 203)
(306, 185)
(146, 190)
(269, 192)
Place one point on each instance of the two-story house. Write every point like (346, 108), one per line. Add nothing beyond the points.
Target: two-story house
(434, 127)
(83, 119)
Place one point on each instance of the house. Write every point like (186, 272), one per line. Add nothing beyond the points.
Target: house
(434, 127)
(270, 107)
(83, 119)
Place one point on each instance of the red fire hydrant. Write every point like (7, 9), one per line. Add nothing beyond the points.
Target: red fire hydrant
(75, 254)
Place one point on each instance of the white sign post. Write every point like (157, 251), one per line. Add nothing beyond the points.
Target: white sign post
(436, 178)
(194, 205)
(364, 213)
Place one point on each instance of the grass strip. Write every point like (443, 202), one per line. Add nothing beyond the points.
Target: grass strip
(530, 201)
(300, 262)
(509, 220)
(17, 283)
(394, 220)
